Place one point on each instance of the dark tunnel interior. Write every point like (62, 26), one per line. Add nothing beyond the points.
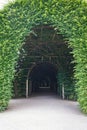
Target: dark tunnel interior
(43, 77)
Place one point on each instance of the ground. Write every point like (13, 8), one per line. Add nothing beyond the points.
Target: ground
(46, 112)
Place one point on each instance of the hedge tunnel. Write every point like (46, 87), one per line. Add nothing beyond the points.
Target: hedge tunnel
(17, 20)
(43, 50)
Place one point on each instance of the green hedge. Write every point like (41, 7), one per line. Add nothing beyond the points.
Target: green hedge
(66, 80)
(16, 22)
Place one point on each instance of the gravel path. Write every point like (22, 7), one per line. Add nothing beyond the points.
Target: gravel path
(42, 113)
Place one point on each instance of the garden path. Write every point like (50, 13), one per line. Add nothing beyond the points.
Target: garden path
(42, 112)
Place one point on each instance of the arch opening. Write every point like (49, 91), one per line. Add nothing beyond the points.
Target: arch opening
(44, 78)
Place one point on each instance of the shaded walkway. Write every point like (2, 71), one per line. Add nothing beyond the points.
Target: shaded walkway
(45, 112)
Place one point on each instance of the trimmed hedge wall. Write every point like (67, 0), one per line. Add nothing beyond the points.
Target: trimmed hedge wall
(16, 22)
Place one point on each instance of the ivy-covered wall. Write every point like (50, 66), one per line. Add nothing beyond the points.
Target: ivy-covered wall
(16, 22)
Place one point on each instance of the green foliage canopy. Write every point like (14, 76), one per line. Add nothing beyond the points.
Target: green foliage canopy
(16, 22)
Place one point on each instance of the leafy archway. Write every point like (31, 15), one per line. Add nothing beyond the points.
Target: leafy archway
(44, 46)
(16, 22)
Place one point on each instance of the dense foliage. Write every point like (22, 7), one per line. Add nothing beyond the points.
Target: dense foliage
(17, 20)
(66, 80)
